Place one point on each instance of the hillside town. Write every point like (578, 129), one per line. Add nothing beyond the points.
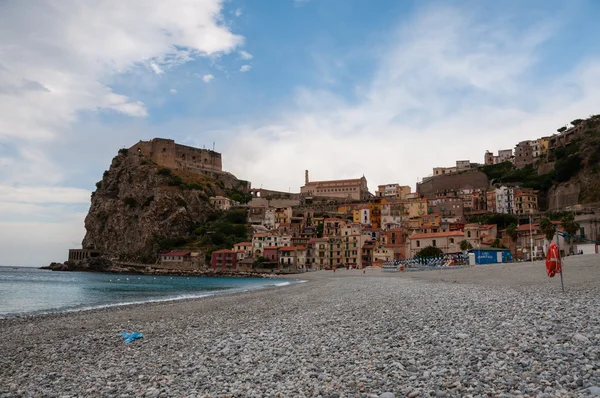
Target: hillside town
(339, 223)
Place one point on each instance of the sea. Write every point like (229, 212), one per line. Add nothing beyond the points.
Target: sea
(32, 291)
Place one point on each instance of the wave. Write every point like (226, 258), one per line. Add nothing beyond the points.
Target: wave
(149, 300)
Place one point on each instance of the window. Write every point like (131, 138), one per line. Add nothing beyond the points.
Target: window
(433, 243)
(418, 243)
(468, 234)
(451, 240)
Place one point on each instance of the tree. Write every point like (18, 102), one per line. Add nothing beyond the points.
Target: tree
(237, 198)
(511, 231)
(562, 129)
(547, 228)
(430, 251)
(569, 224)
(465, 245)
(577, 121)
(496, 243)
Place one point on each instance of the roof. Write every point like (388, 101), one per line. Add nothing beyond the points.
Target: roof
(437, 235)
(223, 251)
(350, 181)
(243, 244)
(270, 248)
(288, 248)
(301, 248)
(177, 254)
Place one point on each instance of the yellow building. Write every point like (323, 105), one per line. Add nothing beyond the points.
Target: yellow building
(415, 207)
(543, 145)
(375, 214)
(430, 223)
(526, 201)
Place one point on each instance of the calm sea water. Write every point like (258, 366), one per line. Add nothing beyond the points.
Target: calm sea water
(29, 291)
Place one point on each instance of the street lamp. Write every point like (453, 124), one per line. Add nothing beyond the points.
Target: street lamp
(530, 236)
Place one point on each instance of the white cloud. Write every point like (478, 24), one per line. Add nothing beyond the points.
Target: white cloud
(245, 55)
(447, 86)
(43, 194)
(157, 69)
(173, 91)
(207, 78)
(238, 12)
(57, 60)
(245, 68)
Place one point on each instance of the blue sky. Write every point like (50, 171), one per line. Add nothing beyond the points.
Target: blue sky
(388, 89)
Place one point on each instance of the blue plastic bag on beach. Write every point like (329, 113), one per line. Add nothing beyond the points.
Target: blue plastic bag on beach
(129, 337)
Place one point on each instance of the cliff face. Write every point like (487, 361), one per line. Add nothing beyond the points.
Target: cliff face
(139, 206)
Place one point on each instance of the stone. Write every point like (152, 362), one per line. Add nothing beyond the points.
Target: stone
(387, 395)
(581, 338)
(462, 336)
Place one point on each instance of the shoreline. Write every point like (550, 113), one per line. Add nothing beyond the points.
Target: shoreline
(482, 331)
(201, 295)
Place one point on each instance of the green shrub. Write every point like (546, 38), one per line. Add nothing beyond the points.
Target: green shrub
(123, 151)
(567, 168)
(165, 172)
(430, 251)
(175, 181)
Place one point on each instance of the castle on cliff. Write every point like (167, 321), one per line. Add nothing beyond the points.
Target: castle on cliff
(167, 153)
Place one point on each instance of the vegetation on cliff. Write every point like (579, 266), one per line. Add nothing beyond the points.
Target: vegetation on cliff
(577, 162)
(140, 210)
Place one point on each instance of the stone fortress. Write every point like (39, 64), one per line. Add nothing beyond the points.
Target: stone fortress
(166, 153)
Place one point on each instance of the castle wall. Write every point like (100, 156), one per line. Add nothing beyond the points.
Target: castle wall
(167, 153)
(433, 185)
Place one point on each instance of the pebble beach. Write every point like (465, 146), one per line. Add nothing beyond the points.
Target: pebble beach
(500, 330)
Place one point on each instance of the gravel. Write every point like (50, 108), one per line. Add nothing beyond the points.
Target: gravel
(437, 334)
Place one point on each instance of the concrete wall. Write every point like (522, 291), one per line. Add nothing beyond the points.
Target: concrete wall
(562, 196)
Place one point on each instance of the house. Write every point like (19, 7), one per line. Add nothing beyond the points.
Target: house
(525, 201)
(355, 189)
(221, 202)
(271, 253)
(243, 247)
(288, 258)
(224, 259)
(332, 226)
(392, 191)
(448, 242)
(175, 257)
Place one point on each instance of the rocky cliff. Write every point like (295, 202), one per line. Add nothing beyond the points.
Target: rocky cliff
(139, 208)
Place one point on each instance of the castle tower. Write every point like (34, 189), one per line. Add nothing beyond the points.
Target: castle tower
(305, 177)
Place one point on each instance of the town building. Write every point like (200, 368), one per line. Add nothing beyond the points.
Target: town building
(260, 240)
(354, 189)
(224, 260)
(245, 248)
(448, 242)
(505, 200)
(333, 226)
(396, 191)
(526, 201)
(221, 202)
(523, 154)
(175, 257)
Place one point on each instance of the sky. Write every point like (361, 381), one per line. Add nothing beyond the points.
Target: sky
(386, 89)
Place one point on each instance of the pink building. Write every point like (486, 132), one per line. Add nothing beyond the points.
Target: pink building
(224, 259)
(271, 253)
